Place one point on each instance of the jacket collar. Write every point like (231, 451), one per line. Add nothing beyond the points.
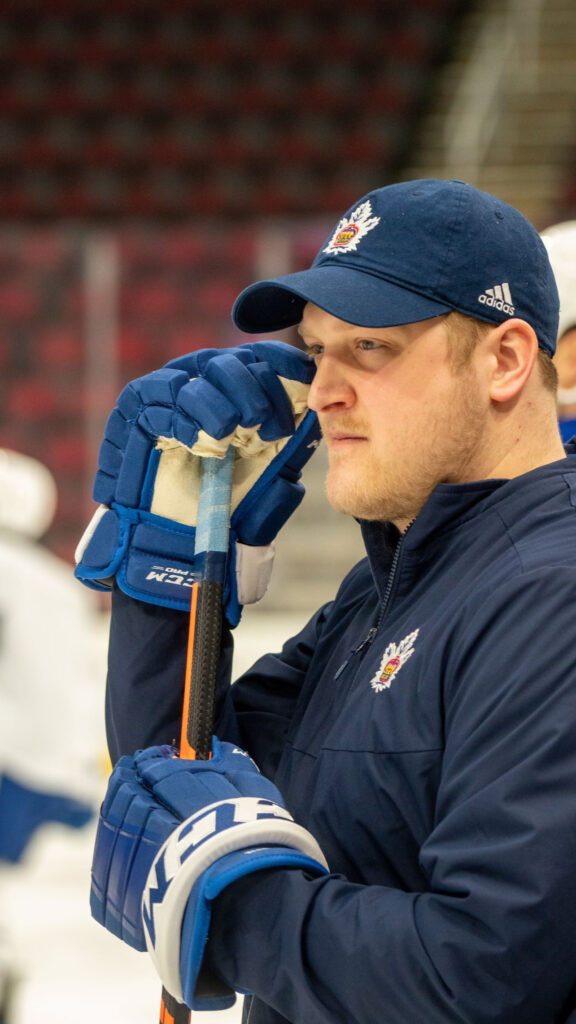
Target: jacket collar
(450, 507)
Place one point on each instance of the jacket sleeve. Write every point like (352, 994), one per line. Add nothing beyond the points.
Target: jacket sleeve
(145, 683)
(145, 679)
(493, 939)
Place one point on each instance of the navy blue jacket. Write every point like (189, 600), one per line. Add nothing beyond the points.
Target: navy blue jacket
(423, 727)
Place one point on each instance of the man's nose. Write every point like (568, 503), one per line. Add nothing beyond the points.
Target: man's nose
(330, 387)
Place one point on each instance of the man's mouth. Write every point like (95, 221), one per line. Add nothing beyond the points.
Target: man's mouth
(339, 438)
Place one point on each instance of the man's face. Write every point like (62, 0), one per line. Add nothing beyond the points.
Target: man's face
(396, 415)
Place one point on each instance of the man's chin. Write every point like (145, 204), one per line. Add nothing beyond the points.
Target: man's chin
(344, 497)
(343, 500)
(338, 497)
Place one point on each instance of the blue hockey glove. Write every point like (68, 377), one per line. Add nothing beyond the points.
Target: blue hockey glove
(24, 810)
(253, 397)
(172, 835)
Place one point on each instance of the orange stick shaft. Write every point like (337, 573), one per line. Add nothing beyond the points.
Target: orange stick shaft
(185, 749)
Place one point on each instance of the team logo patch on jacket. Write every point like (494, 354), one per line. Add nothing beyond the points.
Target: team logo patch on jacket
(395, 656)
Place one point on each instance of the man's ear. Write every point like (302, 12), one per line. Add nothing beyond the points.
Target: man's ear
(514, 348)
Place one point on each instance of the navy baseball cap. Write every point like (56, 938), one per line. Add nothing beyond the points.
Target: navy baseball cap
(414, 250)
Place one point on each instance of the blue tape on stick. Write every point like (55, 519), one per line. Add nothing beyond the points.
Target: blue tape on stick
(214, 503)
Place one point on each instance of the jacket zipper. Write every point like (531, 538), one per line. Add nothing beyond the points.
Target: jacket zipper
(366, 643)
(383, 608)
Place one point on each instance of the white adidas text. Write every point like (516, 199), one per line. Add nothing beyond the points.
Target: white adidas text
(498, 297)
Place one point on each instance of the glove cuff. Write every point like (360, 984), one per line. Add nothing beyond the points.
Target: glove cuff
(202, 841)
(253, 571)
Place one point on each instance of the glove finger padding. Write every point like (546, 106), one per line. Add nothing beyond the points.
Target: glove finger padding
(131, 829)
(147, 798)
(181, 786)
(253, 397)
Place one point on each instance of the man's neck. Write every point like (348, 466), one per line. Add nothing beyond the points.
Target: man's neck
(511, 461)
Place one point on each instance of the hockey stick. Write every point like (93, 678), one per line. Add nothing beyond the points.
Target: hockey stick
(211, 550)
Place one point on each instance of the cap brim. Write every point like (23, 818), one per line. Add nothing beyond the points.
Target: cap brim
(358, 298)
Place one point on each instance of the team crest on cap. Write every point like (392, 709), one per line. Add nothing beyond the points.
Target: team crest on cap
(395, 656)
(351, 230)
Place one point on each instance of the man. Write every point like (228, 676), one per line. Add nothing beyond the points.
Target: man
(560, 241)
(420, 729)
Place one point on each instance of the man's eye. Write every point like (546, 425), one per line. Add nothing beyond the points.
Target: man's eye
(366, 344)
(314, 350)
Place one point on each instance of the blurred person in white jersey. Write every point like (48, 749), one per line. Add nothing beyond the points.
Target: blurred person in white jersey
(48, 687)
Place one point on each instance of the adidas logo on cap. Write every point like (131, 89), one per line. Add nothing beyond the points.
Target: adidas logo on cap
(498, 297)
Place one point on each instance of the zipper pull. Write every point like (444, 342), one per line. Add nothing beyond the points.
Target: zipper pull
(367, 640)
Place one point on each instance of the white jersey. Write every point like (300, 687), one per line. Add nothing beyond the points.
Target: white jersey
(51, 673)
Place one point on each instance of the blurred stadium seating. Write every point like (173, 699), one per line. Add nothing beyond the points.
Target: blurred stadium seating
(195, 140)
(166, 110)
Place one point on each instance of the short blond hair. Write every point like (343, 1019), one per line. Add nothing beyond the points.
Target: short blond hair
(465, 332)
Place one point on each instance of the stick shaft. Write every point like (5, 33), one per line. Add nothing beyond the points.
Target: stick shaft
(171, 1011)
(204, 636)
(202, 676)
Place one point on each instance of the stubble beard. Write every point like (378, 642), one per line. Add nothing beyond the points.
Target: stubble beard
(393, 487)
